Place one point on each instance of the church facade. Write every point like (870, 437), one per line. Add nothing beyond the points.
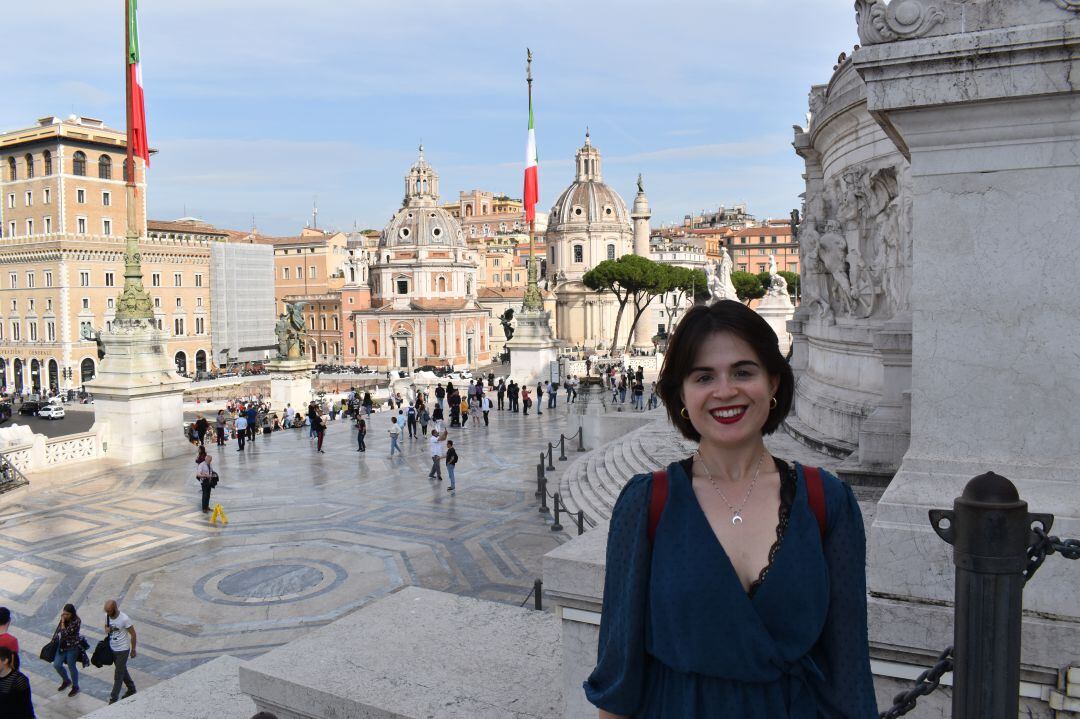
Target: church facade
(412, 300)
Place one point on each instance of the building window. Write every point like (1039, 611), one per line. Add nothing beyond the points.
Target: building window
(106, 199)
(403, 287)
(299, 272)
(106, 226)
(29, 227)
(29, 165)
(47, 157)
(80, 225)
(29, 198)
(198, 301)
(46, 195)
(611, 252)
(178, 303)
(48, 225)
(155, 279)
(15, 331)
(13, 172)
(198, 325)
(159, 324)
(110, 303)
(104, 167)
(322, 325)
(30, 279)
(48, 278)
(11, 201)
(50, 331)
(579, 253)
(84, 278)
(110, 279)
(336, 323)
(32, 326)
(178, 326)
(11, 228)
(80, 196)
(198, 280)
(78, 163)
(30, 304)
(13, 279)
(311, 322)
(284, 273)
(311, 272)
(157, 304)
(177, 279)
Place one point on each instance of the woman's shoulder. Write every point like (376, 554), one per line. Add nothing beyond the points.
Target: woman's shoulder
(838, 494)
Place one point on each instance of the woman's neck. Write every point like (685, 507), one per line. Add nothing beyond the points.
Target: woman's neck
(732, 464)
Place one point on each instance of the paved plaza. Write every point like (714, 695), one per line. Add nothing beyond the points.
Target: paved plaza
(311, 537)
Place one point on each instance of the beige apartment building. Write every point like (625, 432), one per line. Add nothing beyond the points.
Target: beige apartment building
(750, 247)
(62, 235)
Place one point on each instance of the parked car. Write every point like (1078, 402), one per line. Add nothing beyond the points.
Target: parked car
(52, 411)
(29, 407)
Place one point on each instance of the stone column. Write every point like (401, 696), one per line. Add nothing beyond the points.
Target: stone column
(643, 331)
(985, 101)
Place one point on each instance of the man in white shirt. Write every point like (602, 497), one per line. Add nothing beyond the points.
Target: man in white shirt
(121, 633)
(395, 433)
(241, 431)
(485, 407)
(435, 449)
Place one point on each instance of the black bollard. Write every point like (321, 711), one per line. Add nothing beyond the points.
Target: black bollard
(581, 439)
(538, 590)
(543, 496)
(539, 479)
(556, 527)
(550, 463)
(562, 448)
(580, 522)
(990, 530)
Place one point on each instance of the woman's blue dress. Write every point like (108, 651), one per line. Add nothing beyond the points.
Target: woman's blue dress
(681, 639)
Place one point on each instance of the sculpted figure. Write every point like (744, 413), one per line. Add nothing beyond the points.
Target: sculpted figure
(506, 318)
(833, 253)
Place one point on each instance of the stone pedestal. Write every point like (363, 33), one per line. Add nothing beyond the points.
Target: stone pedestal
(987, 106)
(777, 310)
(533, 347)
(290, 383)
(139, 395)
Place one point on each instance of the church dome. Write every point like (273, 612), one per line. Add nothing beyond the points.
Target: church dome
(588, 201)
(420, 221)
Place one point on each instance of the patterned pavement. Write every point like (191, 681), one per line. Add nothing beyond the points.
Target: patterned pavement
(311, 537)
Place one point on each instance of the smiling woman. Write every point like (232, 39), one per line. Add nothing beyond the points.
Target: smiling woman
(735, 582)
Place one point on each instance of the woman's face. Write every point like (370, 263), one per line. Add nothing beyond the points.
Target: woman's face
(727, 392)
(66, 616)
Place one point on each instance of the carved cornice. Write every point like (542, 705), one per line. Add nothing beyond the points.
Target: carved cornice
(880, 21)
(1073, 5)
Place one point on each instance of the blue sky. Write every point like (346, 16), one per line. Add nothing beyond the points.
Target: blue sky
(259, 106)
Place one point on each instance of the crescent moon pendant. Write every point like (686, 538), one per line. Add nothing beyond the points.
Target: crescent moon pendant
(736, 519)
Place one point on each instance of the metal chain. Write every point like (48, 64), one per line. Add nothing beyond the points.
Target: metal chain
(1046, 545)
(1043, 546)
(927, 682)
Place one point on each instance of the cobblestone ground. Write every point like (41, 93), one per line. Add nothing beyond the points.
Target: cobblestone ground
(311, 537)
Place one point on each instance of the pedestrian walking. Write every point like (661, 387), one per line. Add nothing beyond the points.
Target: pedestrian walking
(201, 428)
(318, 424)
(525, 401)
(451, 464)
(122, 641)
(361, 432)
(367, 403)
(204, 475)
(440, 395)
(15, 701)
(485, 407)
(552, 393)
(539, 398)
(424, 419)
(219, 427)
(512, 392)
(395, 433)
(252, 421)
(639, 396)
(241, 431)
(500, 392)
(67, 649)
(312, 410)
(410, 421)
(569, 388)
(463, 407)
(654, 400)
(622, 389)
(435, 449)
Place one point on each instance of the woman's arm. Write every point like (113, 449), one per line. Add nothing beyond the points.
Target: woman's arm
(609, 715)
(843, 651)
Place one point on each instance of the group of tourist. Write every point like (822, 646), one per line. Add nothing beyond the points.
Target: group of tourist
(622, 381)
(67, 649)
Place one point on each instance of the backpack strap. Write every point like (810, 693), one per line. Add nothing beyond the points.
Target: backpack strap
(815, 495)
(657, 501)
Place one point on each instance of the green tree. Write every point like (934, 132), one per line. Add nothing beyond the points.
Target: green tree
(747, 286)
(792, 281)
(646, 280)
(686, 284)
(605, 277)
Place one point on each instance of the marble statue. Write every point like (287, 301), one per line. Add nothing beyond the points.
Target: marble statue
(506, 318)
(718, 273)
(778, 286)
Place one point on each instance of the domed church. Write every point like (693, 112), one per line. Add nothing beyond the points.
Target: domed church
(422, 288)
(589, 223)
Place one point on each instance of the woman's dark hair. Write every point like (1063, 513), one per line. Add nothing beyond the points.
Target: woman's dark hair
(70, 609)
(693, 330)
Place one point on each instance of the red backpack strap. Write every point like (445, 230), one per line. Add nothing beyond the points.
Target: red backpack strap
(657, 501)
(815, 495)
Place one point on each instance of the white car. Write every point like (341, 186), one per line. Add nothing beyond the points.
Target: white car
(52, 411)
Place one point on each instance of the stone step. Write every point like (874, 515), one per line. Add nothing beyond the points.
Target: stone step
(601, 480)
(583, 494)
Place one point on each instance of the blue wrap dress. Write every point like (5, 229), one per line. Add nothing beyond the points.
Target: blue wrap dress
(681, 639)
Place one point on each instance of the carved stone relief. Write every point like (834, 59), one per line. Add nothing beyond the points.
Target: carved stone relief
(880, 21)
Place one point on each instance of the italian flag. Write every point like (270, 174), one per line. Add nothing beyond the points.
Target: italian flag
(137, 115)
(532, 181)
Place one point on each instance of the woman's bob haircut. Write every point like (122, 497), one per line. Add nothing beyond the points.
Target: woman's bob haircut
(696, 326)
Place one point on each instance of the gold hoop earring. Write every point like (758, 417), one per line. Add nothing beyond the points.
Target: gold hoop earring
(683, 414)
(773, 403)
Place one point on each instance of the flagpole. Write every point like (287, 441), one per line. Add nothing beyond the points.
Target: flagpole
(532, 301)
(134, 303)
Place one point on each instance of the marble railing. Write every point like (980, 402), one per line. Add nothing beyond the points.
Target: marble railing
(44, 453)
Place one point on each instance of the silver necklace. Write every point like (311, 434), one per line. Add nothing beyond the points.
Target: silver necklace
(736, 513)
